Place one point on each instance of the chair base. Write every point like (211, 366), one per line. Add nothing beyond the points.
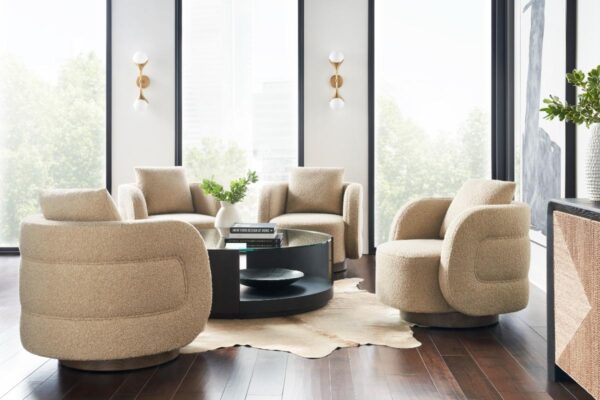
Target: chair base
(448, 320)
(123, 364)
(339, 267)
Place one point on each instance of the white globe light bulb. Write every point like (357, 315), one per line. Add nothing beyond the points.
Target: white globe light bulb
(140, 105)
(140, 57)
(336, 103)
(336, 57)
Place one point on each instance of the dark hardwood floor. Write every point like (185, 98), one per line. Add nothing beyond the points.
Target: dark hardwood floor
(507, 361)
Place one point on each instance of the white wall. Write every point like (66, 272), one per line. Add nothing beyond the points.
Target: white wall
(337, 137)
(142, 138)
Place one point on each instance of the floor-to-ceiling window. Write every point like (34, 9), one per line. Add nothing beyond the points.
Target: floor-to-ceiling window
(52, 102)
(540, 42)
(239, 90)
(432, 95)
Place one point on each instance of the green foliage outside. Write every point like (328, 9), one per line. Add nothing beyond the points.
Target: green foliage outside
(587, 109)
(411, 164)
(214, 157)
(237, 188)
(52, 135)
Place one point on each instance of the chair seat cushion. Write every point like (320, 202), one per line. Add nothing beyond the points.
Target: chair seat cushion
(165, 189)
(199, 221)
(407, 276)
(325, 223)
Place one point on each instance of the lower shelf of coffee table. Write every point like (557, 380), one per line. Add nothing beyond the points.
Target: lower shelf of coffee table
(308, 293)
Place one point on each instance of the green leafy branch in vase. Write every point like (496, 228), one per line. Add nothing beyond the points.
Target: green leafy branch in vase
(237, 188)
(587, 109)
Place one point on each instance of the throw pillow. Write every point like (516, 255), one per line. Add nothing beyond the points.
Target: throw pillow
(315, 190)
(477, 192)
(165, 189)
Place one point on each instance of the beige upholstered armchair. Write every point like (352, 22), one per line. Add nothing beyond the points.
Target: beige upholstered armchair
(99, 293)
(318, 199)
(457, 262)
(165, 194)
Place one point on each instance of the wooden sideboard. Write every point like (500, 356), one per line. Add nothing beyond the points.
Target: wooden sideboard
(574, 292)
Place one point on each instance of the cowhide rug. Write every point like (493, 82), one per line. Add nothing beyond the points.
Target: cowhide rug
(353, 317)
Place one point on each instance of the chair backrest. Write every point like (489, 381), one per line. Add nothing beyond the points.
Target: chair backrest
(165, 189)
(78, 205)
(477, 192)
(315, 190)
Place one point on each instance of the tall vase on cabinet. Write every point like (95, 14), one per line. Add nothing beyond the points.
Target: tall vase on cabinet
(592, 164)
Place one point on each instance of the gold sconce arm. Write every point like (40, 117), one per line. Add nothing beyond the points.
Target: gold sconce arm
(142, 81)
(336, 80)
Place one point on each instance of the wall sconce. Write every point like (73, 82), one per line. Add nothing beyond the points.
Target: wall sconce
(336, 81)
(142, 82)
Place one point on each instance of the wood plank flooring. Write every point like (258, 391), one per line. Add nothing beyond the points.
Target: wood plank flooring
(507, 361)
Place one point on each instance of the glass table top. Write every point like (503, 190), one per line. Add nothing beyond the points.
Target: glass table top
(290, 238)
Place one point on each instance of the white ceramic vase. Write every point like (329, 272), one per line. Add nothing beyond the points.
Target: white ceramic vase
(592, 166)
(227, 215)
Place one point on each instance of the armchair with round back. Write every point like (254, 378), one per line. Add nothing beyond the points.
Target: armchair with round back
(164, 193)
(99, 293)
(318, 199)
(457, 262)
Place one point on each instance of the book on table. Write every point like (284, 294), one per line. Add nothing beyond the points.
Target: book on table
(251, 228)
(253, 242)
(253, 231)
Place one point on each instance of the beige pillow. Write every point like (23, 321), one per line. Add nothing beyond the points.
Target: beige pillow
(165, 189)
(478, 192)
(317, 190)
(79, 205)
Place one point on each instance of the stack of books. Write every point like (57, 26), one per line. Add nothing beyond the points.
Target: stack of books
(255, 235)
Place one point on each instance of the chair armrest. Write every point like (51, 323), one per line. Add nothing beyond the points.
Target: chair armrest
(272, 200)
(353, 219)
(116, 281)
(132, 203)
(420, 219)
(203, 203)
(485, 260)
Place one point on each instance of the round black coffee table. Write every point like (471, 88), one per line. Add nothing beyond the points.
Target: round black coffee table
(305, 251)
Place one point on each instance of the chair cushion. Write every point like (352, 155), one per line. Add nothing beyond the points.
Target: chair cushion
(79, 205)
(315, 190)
(408, 276)
(477, 192)
(199, 221)
(326, 223)
(165, 189)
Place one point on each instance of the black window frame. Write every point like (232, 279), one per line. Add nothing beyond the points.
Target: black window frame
(108, 115)
(179, 82)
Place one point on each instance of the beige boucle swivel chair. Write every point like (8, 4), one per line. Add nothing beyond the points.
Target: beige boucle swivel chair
(457, 262)
(99, 293)
(163, 193)
(318, 199)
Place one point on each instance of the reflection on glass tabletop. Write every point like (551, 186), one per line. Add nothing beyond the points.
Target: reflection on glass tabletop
(291, 238)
